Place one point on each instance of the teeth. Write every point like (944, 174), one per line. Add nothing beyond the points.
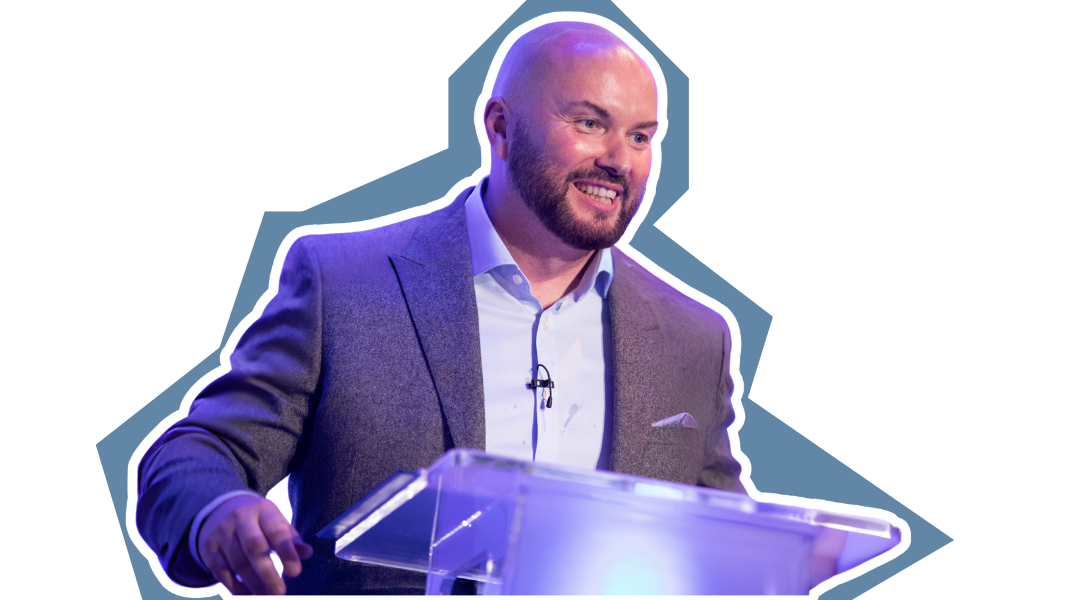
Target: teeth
(598, 193)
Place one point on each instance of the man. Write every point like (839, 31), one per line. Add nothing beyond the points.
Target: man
(383, 349)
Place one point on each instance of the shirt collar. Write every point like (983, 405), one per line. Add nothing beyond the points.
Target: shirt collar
(489, 251)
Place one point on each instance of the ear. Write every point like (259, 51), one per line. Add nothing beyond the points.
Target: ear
(496, 118)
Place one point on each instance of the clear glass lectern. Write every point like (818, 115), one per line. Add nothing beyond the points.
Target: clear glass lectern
(530, 528)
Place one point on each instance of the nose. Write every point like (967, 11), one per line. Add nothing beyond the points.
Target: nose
(615, 159)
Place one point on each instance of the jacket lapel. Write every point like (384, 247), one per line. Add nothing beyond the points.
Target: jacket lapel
(435, 273)
(636, 351)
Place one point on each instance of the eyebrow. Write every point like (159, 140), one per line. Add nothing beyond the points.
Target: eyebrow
(605, 114)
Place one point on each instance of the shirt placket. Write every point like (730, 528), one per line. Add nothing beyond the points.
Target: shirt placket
(547, 429)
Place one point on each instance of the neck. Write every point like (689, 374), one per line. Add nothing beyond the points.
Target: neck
(552, 267)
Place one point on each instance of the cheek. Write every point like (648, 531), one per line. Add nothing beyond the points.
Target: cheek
(577, 150)
(568, 149)
(642, 165)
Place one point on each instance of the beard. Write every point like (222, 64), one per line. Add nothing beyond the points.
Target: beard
(538, 183)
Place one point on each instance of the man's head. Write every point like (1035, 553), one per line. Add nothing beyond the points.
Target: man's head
(571, 121)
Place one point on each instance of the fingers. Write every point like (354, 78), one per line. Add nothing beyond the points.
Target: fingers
(282, 539)
(237, 540)
(305, 549)
(255, 567)
(233, 585)
(238, 562)
(223, 571)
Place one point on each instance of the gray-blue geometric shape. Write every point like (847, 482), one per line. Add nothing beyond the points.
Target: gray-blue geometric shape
(784, 461)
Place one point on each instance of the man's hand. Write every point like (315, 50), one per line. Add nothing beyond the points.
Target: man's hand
(236, 540)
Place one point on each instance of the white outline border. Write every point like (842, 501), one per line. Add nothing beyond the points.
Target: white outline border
(623, 244)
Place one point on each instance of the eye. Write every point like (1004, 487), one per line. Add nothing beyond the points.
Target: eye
(589, 123)
(639, 138)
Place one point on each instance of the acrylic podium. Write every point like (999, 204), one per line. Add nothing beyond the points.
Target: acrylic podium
(530, 528)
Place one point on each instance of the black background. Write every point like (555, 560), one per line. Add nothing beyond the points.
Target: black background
(809, 152)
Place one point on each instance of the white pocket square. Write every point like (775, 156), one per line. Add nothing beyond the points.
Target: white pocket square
(680, 420)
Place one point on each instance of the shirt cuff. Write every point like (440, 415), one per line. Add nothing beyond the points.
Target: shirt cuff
(196, 525)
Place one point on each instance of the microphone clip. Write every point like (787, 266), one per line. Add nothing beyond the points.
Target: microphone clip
(548, 384)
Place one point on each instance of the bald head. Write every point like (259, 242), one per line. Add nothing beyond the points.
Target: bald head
(551, 52)
(570, 122)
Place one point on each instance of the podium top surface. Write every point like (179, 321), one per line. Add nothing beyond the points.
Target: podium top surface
(397, 524)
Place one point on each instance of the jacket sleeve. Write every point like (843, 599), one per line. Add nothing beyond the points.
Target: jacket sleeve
(721, 470)
(246, 429)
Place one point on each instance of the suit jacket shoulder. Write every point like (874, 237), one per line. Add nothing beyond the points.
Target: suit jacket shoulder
(670, 303)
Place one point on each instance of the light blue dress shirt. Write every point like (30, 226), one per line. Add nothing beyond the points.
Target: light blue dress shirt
(571, 338)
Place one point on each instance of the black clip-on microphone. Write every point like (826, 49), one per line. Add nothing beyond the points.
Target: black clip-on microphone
(543, 383)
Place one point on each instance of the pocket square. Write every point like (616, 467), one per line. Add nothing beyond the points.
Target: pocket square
(680, 420)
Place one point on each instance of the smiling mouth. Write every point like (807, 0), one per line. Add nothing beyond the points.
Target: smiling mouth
(599, 193)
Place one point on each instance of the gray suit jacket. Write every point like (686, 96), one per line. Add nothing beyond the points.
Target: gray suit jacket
(367, 361)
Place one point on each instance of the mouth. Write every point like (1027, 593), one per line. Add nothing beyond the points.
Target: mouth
(599, 193)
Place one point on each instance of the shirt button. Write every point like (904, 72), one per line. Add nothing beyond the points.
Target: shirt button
(546, 324)
(517, 279)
